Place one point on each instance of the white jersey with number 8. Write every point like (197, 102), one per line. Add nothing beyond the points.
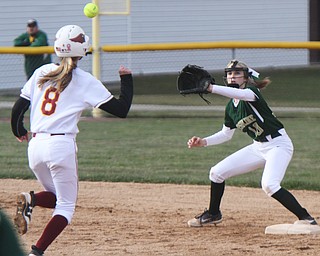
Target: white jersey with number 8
(54, 112)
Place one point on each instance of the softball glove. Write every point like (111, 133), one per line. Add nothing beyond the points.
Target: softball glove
(193, 79)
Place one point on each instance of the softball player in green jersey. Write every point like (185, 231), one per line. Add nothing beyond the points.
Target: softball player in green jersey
(271, 149)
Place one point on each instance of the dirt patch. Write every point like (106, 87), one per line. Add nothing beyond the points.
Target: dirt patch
(150, 219)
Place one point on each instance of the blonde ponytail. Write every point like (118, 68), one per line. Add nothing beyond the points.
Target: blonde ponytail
(261, 84)
(60, 77)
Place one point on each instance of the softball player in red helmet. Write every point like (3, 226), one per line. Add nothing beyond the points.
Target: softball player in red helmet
(57, 95)
(271, 149)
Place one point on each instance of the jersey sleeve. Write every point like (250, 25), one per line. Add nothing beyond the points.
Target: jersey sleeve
(97, 94)
(26, 89)
(29, 86)
(22, 40)
(121, 106)
(220, 137)
(17, 116)
(236, 93)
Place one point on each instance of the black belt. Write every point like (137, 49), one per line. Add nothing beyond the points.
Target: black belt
(52, 134)
(264, 139)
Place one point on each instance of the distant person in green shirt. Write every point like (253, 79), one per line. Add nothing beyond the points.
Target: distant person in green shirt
(33, 37)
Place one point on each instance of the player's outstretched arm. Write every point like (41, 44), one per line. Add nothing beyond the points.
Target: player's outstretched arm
(121, 106)
(241, 94)
(17, 116)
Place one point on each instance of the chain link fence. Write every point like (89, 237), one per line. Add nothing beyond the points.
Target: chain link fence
(155, 74)
(160, 62)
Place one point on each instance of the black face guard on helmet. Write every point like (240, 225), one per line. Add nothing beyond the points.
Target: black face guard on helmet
(234, 68)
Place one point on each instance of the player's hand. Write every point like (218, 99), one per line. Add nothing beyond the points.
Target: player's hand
(196, 142)
(23, 138)
(124, 71)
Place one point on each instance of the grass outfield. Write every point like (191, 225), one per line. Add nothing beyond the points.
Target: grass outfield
(154, 150)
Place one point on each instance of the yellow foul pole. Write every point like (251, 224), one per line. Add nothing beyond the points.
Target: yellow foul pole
(96, 53)
(96, 44)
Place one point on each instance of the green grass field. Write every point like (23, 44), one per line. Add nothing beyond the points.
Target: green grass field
(151, 146)
(154, 150)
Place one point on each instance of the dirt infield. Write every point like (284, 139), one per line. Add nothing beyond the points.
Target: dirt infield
(150, 219)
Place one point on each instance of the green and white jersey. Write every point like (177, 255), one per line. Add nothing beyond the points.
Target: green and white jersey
(252, 117)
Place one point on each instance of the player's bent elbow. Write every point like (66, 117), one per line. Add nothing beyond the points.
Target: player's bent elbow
(123, 115)
(122, 112)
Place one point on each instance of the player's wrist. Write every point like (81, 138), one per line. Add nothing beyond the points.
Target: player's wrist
(210, 88)
(204, 143)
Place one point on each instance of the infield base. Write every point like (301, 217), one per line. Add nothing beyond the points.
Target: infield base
(297, 228)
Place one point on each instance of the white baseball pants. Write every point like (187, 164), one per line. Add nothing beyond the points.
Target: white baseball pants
(273, 155)
(53, 160)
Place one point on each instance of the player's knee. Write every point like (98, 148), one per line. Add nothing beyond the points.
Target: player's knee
(214, 176)
(270, 187)
(66, 210)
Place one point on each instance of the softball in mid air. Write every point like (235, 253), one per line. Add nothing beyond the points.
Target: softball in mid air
(90, 10)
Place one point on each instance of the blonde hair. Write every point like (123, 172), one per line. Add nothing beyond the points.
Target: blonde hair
(60, 77)
(239, 65)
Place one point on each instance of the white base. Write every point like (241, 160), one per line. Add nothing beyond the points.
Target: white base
(298, 228)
